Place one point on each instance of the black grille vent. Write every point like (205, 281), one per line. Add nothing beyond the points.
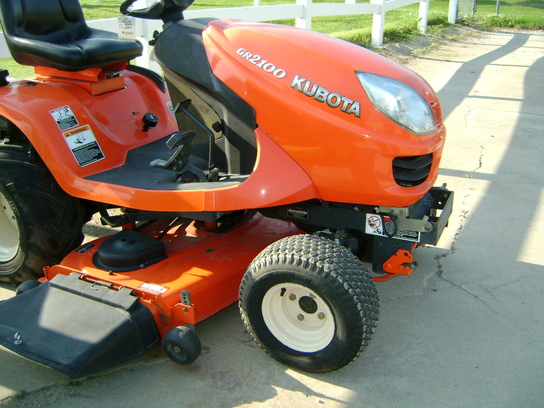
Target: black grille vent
(412, 171)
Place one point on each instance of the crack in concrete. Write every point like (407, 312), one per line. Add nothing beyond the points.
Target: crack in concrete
(472, 294)
(430, 283)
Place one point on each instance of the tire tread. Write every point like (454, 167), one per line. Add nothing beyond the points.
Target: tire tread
(339, 270)
(52, 221)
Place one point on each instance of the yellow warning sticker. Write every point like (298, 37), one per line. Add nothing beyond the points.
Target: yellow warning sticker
(84, 145)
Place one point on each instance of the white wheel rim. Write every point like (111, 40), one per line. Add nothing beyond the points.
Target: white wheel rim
(9, 231)
(298, 317)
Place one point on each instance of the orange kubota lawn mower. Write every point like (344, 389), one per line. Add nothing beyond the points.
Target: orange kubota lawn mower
(265, 168)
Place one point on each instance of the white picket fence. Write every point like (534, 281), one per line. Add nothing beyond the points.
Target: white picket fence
(301, 10)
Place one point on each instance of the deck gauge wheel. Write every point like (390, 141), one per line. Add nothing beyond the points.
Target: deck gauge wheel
(181, 345)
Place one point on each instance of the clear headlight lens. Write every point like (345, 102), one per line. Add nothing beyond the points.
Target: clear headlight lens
(399, 102)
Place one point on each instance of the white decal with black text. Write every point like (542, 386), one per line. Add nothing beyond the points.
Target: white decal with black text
(126, 27)
(376, 225)
(84, 145)
(154, 288)
(64, 117)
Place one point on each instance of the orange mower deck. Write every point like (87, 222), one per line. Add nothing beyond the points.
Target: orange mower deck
(121, 314)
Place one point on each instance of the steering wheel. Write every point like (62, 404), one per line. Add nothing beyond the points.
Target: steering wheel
(165, 10)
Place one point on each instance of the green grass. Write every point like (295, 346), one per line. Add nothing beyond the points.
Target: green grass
(401, 24)
(19, 395)
(16, 70)
(520, 14)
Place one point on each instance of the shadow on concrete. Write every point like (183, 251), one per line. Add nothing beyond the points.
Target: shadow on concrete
(464, 79)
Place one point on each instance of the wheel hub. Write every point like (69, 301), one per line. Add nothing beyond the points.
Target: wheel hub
(298, 317)
(307, 304)
(9, 239)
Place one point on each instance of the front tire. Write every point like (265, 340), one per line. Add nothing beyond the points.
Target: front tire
(309, 303)
(39, 222)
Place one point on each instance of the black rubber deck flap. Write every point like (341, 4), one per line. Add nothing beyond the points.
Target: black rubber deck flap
(74, 333)
(122, 298)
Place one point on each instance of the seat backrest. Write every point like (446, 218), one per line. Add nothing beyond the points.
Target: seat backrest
(53, 33)
(47, 20)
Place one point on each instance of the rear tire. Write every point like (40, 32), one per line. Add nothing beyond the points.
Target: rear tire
(309, 303)
(39, 222)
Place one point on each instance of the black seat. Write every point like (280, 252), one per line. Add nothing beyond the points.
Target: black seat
(53, 33)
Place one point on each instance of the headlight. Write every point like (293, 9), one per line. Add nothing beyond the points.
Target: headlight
(399, 102)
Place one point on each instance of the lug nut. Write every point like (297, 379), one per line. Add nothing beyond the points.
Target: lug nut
(321, 315)
(300, 317)
(292, 296)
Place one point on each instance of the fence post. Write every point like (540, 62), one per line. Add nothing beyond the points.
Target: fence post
(306, 20)
(378, 24)
(423, 16)
(144, 31)
(452, 14)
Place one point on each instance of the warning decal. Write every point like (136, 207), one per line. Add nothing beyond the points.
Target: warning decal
(126, 27)
(64, 117)
(154, 288)
(83, 145)
(375, 226)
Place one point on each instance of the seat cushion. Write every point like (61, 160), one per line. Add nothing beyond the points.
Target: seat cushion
(95, 49)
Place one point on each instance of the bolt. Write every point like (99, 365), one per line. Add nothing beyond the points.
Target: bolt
(292, 296)
(321, 315)
(300, 317)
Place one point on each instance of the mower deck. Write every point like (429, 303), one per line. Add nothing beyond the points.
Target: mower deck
(85, 317)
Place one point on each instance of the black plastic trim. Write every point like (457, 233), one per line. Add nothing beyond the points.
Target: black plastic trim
(152, 75)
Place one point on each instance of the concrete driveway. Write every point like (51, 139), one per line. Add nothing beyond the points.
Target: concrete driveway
(466, 330)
